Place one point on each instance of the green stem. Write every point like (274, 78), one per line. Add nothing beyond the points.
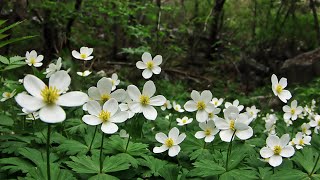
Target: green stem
(204, 145)
(94, 135)
(101, 161)
(315, 165)
(229, 150)
(48, 151)
(127, 143)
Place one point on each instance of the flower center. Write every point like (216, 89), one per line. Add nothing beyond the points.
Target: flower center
(207, 132)
(104, 115)
(201, 105)
(105, 97)
(216, 103)
(50, 94)
(304, 130)
(318, 123)
(231, 125)
(293, 111)
(277, 150)
(150, 65)
(184, 121)
(83, 56)
(113, 82)
(211, 115)
(169, 142)
(32, 61)
(144, 100)
(7, 94)
(279, 89)
(301, 142)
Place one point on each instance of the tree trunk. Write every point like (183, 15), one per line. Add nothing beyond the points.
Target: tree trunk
(77, 7)
(315, 19)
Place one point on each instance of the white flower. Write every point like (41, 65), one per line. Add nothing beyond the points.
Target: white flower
(301, 140)
(168, 116)
(49, 98)
(170, 142)
(144, 102)
(84, 73)
(166, 105)
(278, 88)
(103, 92)
(29, 115)
(276, 149)
(213, 114)
(7, 95)
(270, 125)
(252, 112)
(234, 103)
(216, 102)
(107, 115)
(53, 68)
(123, 133)
(125, 107)
(200, 103)
(177, 107)
(114, 80)
(292, 112)
(84, 54)
(288, 122)
(234, 123)
(150, 66)
(315, 123)
(209, 131)
(32, 59)
(184, 121)
(305, 128)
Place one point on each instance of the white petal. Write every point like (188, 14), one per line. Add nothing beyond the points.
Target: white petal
(39, 58)
(104, 86)
(88, 58)
(203, 125)
(202, 115)
(71, 99)
(29, 102)
(161, 137)
(89, 51)
(209, 138)
(283, 82)
(272, 141)
(146, 57)
(284, 140)
(109, 127)
(160, 149)
(141, 65)
(91, 120)
(119, 94)
(294, 104)
(149, 89)
(156, 70)
(287, 151)
(206, 96)
(33, 54)
(222, 124)
(157, 100)
(190, 106)
(286, 108)
(84, 50)
(286, 116)
(174, 150)
(240, 126)
(174, 133)
(266, 152)
(200, 135)
(157, 60)
(275, 160)
(149, 112)
(195, 95)
(119, 117)
(111, 105)
(147, 73)
(94, 93)
(76, 54)
(284, 96)
(135, 107)
(94, 108)
(274, 79)
(226, 135)
(180, 138)
(134, 93)
(37, 64)
(33, 85)
(52, 114)
(61, 80)
(245, 134)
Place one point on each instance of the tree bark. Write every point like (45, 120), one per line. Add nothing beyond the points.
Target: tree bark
(315, 19)
(77, 8)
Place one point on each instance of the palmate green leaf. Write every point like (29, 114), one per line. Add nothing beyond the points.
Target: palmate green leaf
(16, 59)
(103, 177)
(90, 165)
(14, 164)
(199, 154)
(239, 174)
(191, 143)
(5, 120)
(307, 159)
(289, 174)
(56, 173)
(170, 172)
(206, 168)
(265, 173)
(75, 125)
(12, 143)
(72, 147)
(237, 155)
(4, 60)
(130, 159)
(153, 164)
(36, 156)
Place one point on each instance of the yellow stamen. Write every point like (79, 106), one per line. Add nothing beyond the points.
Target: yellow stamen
(201, 105)
(301, 142)
(207, 132)
(231, 125)
(279, 89)
(83, 56)
(150, 65)
(7, 94)
(293, 111)
(32, 61)
(144, 100)
(104, 115)
(169, 142)
(50, 94)
(184, 121)
(277, 150)
(211, 115)
(105, 97)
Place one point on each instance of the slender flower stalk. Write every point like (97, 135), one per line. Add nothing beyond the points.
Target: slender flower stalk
(48, 151)
(229, 150)
(94, 135)
(101, 148)
(127, 145)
